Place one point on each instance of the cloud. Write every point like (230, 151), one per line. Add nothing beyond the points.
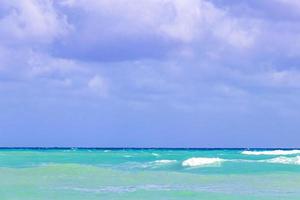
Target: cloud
(195, 63)
(99, 86)
(27, 31)
(30, 22)
(43, 65)
(195, 20)
(291, 3)
(171, 51)
(126, 30)
(284, 78)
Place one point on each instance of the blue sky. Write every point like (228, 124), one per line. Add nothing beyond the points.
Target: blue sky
(150, 73)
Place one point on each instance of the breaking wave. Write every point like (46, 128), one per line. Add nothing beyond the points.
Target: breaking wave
(200, 161)
(285, 160)
(165, 161)
(273, 152)
(155, 154)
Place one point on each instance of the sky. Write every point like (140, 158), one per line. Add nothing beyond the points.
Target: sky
(150, 73)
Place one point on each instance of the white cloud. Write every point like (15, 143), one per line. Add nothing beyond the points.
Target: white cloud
(185, 21)
(236, 32)
(99, 85)
(65, 83)
(188, 20)
(196, 20)
(202, 30)
(269, 78)
(291, 3)
(45, 65)
(284, 78)
(4, 57)
(31, 22)
(230, 91)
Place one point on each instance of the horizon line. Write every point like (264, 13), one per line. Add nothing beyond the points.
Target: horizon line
(149, 148)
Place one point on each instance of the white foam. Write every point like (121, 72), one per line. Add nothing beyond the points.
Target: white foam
(155, 154)
(196, 162)
(274, 152)
(285, 160)
(164, 161)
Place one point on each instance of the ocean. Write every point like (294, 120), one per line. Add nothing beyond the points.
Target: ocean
(160, 174)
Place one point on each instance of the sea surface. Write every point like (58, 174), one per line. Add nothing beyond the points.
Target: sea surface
(166, 174)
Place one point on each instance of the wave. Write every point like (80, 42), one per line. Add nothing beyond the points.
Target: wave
(285, 160)
(164, 161)
(155, 154)
(273, 152)
(201, 161)
(156, 164)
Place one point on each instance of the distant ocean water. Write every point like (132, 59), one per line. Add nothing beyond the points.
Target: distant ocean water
(166, 174)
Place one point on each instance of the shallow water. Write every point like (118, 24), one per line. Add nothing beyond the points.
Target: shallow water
(35, 174)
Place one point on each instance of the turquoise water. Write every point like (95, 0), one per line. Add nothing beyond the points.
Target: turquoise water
(90, 174)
